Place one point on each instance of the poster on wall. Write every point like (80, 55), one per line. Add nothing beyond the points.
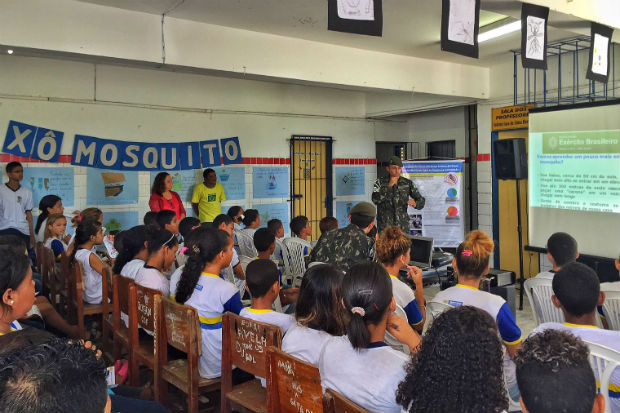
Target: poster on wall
(442, 218)
(270, 182)
(271, 211)
(107, 187)
(183, 182)
(343, 209)
(120, 220)
(233, 181)
(350, 180)
(50, 181)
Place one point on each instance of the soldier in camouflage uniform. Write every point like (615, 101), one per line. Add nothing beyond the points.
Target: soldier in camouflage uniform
(392, 194)
(345, 247)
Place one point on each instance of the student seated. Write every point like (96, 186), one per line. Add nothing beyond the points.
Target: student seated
(53, 238)
(393, 252)
(263, 284)
(200, 286)
(225, 223)
(360, 365)
(167, 219)
(186, 225)
(162, 246)
(319, 313)
(554, 375)
(561, 250)
(150, 218)
(265, 243)
(88, 234)
(277, 229)
(327, 224)
(236, 214)
(471, 263)
(132, 254)
(458, 367)
(613, 285)
(251, 221)
(577, 292)
(48, 205)
(57, 376)
(300, 228)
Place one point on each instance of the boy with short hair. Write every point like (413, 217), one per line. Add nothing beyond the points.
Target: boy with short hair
(263, 284)
(265, 243)
(561, 250)
(225, 223)
(167, 219)
(327, 224)
(300, 228)
(554, 375)
(577, 293)
(16, 206)
(277, 228)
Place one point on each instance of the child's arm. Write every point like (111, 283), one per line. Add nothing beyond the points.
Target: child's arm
(30, 227)
(95, 263)
(402, 331)
(289, 295)
(238, 270)
(416, 275)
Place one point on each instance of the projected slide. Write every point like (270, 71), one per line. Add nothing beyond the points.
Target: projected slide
(575, 170)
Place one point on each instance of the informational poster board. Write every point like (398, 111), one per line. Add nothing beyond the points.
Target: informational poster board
(120, 220)
(350, 180)
(342, 212)
(109, 187)
(441, 184)
(233, 180)
(270, 182)
(183, 182)
(49, 181)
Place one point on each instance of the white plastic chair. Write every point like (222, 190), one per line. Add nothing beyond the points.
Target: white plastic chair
(390, 340)
(436, 308)
(539, 292)
(611, 308)
(246, 244)
(294, 264)
(604, 361)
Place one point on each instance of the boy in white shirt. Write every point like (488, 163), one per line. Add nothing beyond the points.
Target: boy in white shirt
(300, 228)
(16, 205)
(577, 292)
(561, 250)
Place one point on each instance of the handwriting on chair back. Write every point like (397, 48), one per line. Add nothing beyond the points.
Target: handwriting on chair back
(298, 383)
(178, 323)
(146, 305)
(250, 340)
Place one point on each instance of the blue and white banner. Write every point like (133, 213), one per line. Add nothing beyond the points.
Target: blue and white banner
(32, 141)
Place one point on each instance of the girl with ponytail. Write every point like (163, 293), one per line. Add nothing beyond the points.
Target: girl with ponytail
(360, 365)
(87, 235)
(132, 253)
(49, 204)
(209, 251)
(162, 246)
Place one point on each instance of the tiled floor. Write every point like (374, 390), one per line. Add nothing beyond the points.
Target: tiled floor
(525, 320)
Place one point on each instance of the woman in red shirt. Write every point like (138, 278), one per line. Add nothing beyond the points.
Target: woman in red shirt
(163, 197)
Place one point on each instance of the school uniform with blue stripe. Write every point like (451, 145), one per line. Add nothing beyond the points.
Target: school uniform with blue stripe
(212, 297)
(14, 326)
(405, 298)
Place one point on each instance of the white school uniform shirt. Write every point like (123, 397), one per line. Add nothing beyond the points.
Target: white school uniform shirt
(40, 235)
(305, 343)
(14, 326)
(92, 279)
(212, 297)
(546, 275)
(405, 298)
(150, 277)
(607, 338)
(130, 269)
(174, 280)
(368, 377)
(13, 208)
(284, 321)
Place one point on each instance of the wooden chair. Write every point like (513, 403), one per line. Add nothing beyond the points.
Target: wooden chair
(244, 345)
(38, 252)
(337, 403)
(295, 385)
(178, 326)
(142, 307)
(122, 289)
(79, 308)
(108, 322)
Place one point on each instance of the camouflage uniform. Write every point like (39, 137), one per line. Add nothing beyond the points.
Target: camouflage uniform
(392, 202)
(344, 247)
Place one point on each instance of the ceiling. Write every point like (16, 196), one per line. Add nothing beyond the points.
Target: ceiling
(410, 27)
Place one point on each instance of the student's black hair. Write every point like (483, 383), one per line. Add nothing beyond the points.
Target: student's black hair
(319, 306)
(577, 287)
(14, 241)
(362, 221)
(298, 223)
(48, 201)
(462, 351)
(133, 241)
(23, 338)
(85, 229)
(13, 269)
(57, 376)
(263, 238)
(186, 225)
(274, 225)
(118, 240)
(203, 245)
(260, 275)
(233, 211)
(327, 224)
(156, 238)
(12, 165)
(221, 219)
(562, 247)
(150, 218)
(165, 217)
(249, 216)
(206, 172)
(553, 373)
(367, 287)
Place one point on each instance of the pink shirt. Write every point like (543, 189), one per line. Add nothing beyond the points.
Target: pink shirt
(158, 203)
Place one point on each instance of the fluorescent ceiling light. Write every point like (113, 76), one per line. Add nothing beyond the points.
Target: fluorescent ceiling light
(499, 31)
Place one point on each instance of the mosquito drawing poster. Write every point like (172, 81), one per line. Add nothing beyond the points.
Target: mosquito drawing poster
(534, 36)
(459, 26)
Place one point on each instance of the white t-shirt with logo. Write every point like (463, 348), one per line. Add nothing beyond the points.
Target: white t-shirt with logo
(13, 208)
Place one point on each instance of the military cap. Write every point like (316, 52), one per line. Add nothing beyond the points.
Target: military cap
(364, 208)
(395, 160)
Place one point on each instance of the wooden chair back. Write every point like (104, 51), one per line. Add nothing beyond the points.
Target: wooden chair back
(180, 327)
(121, 287)
(76, 289)
(38, 251)
(337, 403)
(295, 385)
(145, 300)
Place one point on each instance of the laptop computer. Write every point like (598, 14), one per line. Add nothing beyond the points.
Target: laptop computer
(421, 252)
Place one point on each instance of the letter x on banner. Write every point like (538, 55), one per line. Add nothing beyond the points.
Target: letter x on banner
(355, 16)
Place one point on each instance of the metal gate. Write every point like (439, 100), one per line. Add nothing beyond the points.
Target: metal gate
(311, 179)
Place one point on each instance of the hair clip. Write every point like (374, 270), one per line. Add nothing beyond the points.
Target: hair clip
(358, 310)
(183, 250)
(467, 253)
(365, 292)
(196, 249)
(79, 218)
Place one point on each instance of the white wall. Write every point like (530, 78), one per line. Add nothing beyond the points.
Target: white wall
(123, 103)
